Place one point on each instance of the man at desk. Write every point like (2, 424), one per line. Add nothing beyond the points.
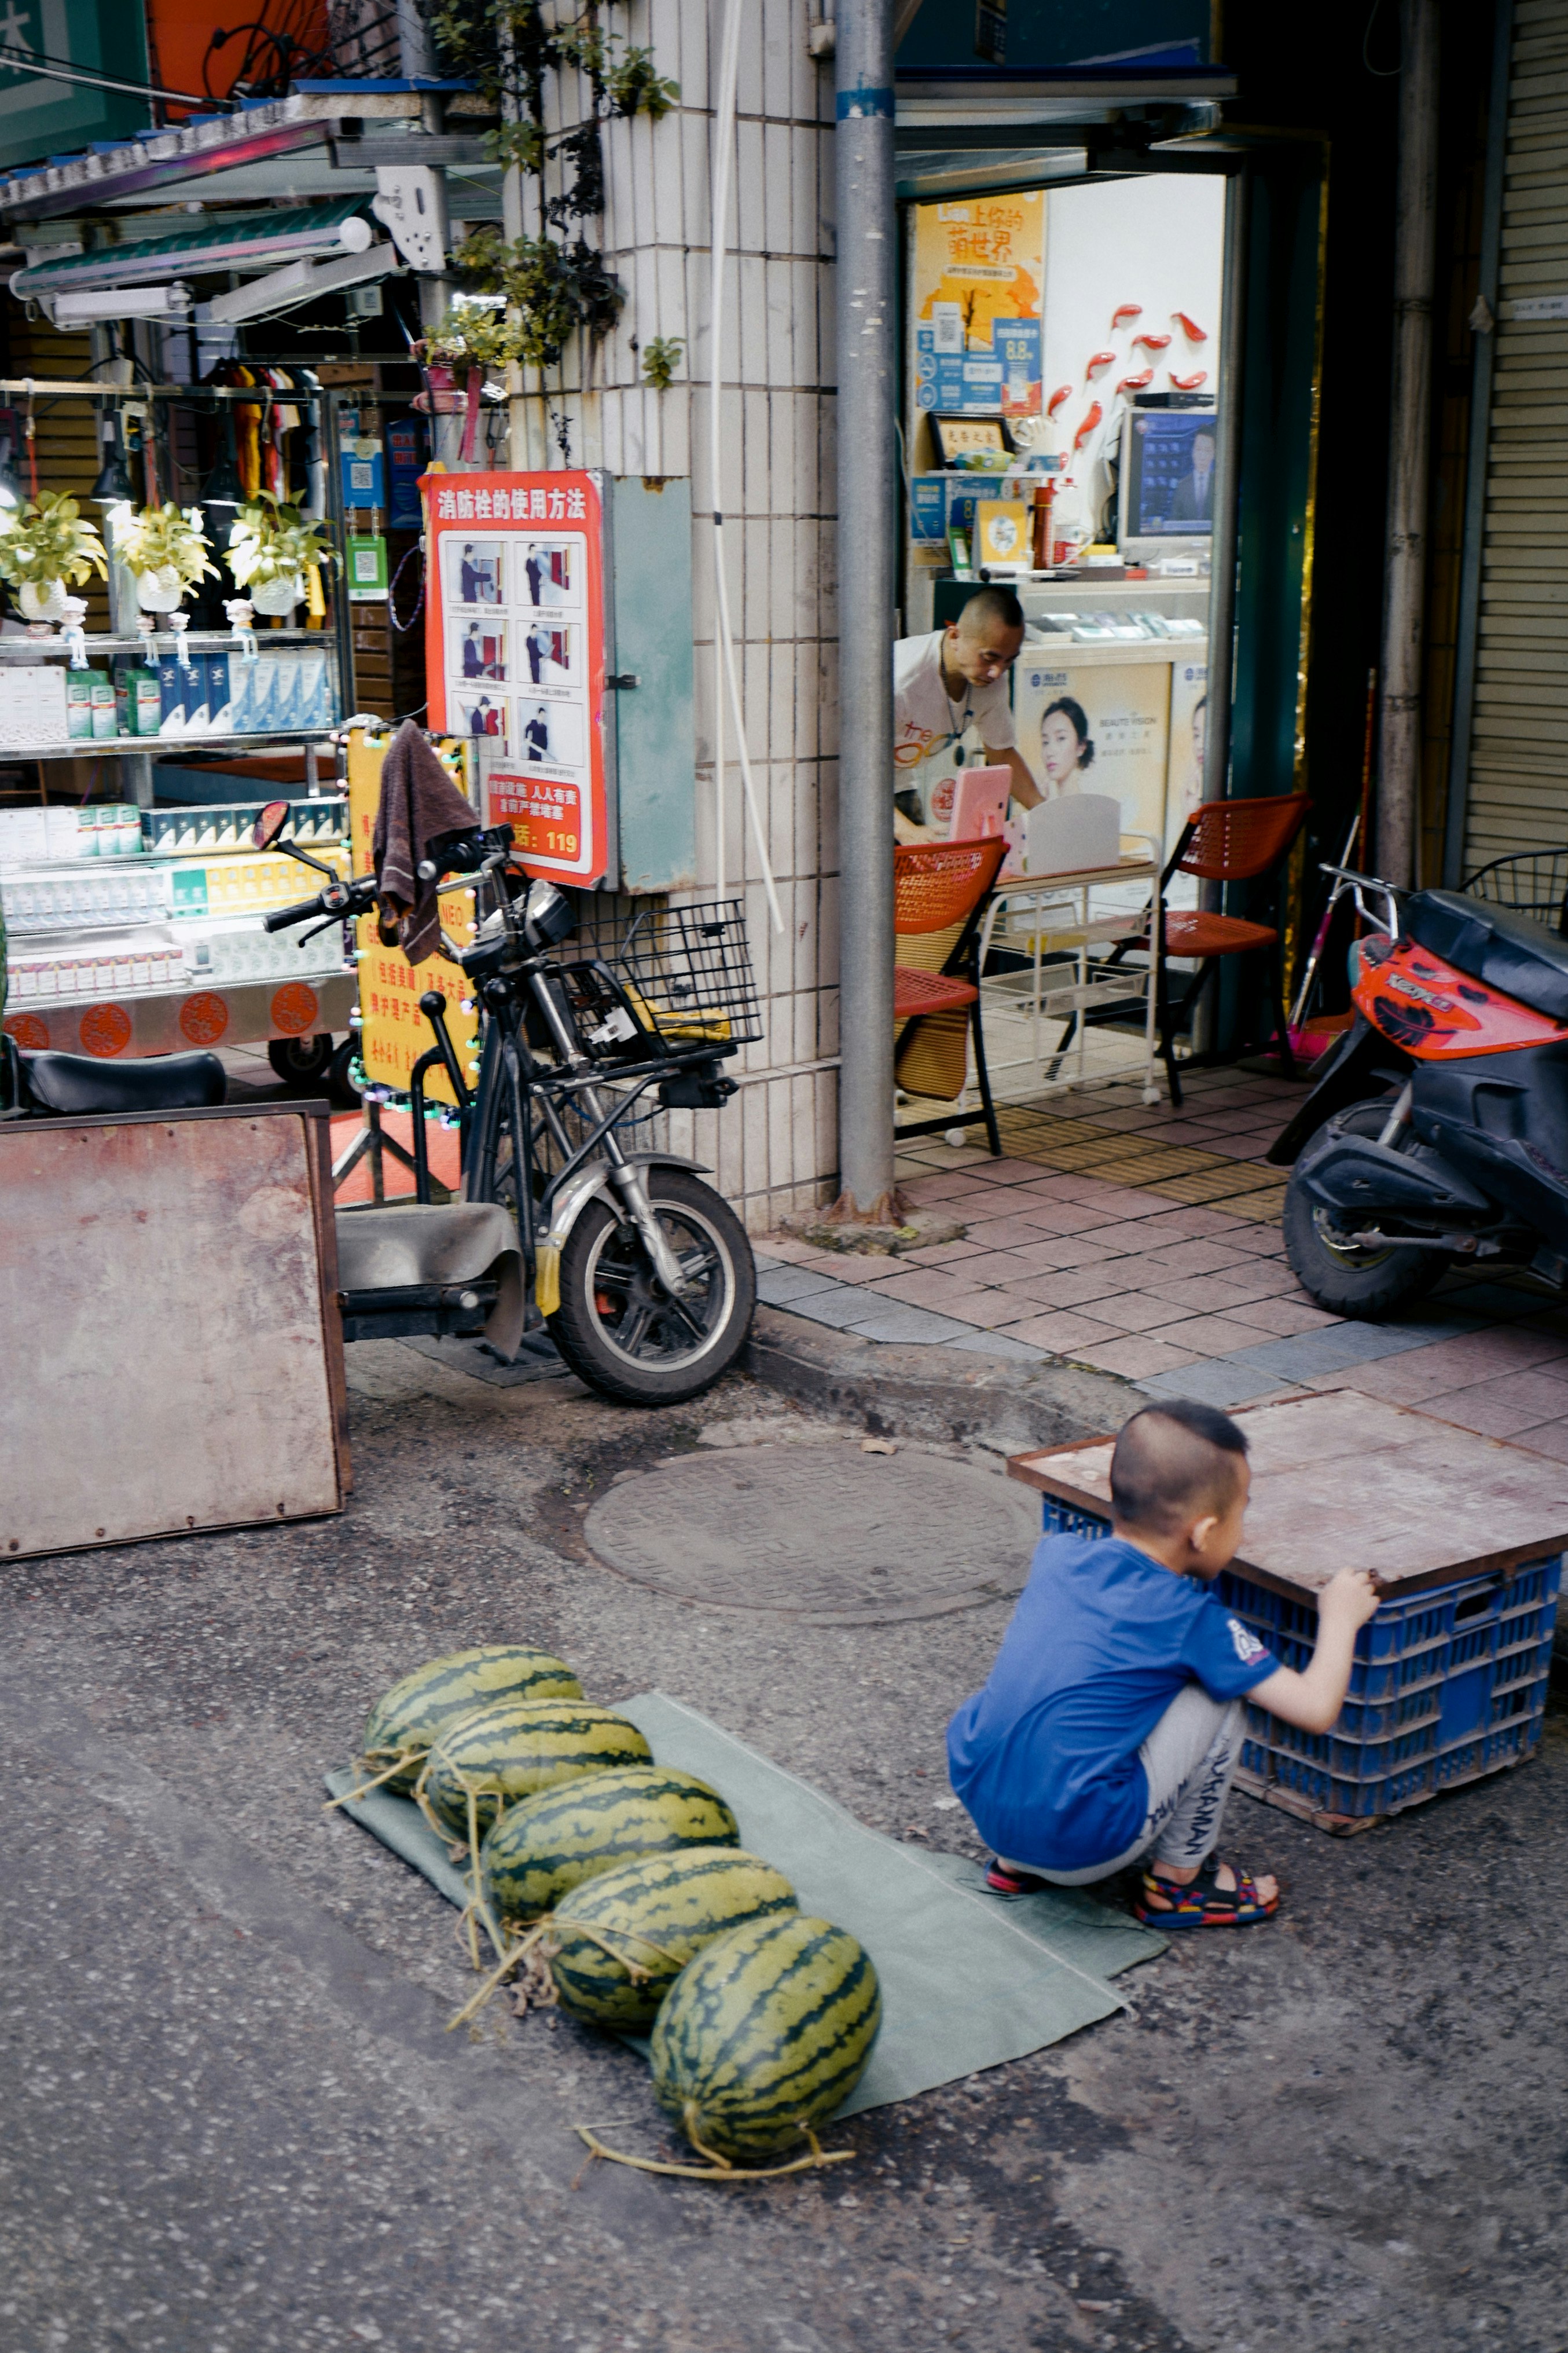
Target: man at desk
(944, 683)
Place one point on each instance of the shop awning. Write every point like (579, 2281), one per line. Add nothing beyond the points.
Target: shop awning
(241, 240)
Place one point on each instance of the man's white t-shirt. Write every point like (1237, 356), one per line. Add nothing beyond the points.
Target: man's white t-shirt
(925, 722)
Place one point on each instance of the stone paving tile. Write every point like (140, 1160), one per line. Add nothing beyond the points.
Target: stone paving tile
(1219, 1382)
(944, 1184)
(1001, 1233)
(1531, 1397)
(914, 1325)
(781, 1286)
(1286, 1317)
(1134, 1311)
(1065, 1286)
(838, 1307)
(784, 1246)
(1002, 1344)
(1206, 1336)
(854, 1266)
(1184, 1259)
(1217, 1294)
(942, 1254)
(1136, 1360)
(1548, 1437)
(1062, 1335)
(927, 1286)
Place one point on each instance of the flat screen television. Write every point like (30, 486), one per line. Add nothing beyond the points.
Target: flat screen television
(1166, 491)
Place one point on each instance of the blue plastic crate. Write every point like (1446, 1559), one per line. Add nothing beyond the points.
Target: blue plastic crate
(1446, 1686)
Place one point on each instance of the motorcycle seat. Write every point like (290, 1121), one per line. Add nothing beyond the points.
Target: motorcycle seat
(1507, 951)
(75, 1083)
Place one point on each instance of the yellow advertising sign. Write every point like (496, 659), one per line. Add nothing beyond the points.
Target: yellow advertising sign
(979, 277)
(393, 1033)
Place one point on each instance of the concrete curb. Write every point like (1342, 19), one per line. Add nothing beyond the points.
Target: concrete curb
(935, 1392)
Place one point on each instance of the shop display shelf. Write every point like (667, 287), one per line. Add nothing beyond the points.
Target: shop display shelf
(1447, 1685)
(98, 747)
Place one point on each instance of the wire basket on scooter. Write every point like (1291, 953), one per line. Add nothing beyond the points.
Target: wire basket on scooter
(688, 973)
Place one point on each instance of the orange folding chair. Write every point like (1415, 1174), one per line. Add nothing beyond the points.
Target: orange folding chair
(939, 892)
(1224, 841)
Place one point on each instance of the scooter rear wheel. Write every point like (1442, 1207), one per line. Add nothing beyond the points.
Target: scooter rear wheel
(1340, 1275)
(616, 1329)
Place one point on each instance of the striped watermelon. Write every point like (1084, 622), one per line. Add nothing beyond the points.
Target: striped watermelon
(765, 2033)
(515, 1748)
(540, 1850)
(404, 1720)
(653, 1914)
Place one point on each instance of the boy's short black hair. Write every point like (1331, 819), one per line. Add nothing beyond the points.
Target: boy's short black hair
(1172, 1463)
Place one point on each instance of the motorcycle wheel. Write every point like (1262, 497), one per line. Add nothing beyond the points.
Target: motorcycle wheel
(617, 1329)
(1336, 1273)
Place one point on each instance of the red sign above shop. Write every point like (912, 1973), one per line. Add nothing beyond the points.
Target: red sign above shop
(515, 654)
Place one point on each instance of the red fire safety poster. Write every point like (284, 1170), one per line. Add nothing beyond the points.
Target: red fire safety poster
(515, 654)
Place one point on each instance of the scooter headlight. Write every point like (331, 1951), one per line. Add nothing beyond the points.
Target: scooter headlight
(548, 916)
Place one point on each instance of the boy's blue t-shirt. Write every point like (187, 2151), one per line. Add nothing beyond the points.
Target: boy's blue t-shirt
(1046, 1757)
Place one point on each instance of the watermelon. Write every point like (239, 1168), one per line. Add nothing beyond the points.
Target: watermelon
(541, 1848)
(405, 1719)
(515, 1748)
(765, 2033)
(651, 1916)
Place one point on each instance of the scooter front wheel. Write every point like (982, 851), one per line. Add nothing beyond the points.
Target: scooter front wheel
(618, 1329)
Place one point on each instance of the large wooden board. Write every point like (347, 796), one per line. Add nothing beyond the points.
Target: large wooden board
(175, 1354)
(1344, 1480)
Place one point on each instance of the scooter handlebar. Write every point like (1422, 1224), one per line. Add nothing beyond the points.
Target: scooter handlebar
(283, 919)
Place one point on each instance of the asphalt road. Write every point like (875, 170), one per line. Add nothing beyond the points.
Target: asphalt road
(233, 2124)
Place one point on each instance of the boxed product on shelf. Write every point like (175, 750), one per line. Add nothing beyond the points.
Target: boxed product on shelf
(98, 830)
(33, 707)
(227, 824)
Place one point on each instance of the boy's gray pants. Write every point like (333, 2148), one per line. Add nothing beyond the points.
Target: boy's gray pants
(1189, 1759)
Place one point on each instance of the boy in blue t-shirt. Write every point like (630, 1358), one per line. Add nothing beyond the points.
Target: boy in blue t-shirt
(1112, 1723)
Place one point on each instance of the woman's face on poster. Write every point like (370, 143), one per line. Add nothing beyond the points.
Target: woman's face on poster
(1059, 750)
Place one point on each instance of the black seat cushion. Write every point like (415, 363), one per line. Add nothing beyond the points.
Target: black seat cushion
(1508, 951)
(75, 1082)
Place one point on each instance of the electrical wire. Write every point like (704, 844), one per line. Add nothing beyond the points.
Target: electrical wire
(51, 69)
(724, 647)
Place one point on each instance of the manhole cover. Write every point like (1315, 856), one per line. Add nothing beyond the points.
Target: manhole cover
(821, 1532)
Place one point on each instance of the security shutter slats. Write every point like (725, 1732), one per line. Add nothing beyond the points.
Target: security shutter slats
(1519, 751)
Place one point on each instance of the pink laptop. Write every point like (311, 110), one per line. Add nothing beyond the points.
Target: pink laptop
(979, 803)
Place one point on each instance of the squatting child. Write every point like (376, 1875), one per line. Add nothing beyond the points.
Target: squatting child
(1111, 1724)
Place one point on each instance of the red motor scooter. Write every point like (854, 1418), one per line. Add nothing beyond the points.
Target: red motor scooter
(1438, 1130)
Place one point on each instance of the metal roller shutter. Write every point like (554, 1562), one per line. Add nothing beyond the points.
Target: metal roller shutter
(1519, 767)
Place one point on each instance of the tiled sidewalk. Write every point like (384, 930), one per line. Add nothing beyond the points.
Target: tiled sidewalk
(1146, 1242)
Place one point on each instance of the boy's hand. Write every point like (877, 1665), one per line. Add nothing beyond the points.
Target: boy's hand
(1350, 1599)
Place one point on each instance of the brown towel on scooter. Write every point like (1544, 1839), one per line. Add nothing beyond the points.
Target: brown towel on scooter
(418, 799)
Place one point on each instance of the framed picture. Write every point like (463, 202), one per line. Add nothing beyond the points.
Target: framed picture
(970, 437)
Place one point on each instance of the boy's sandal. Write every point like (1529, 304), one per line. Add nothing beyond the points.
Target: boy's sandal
(1008, 1879)
(1201, 1903)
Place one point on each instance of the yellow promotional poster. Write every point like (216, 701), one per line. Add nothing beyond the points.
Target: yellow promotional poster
(1001, 539)
(393, 1033)
(979, 274)
(1098, 728)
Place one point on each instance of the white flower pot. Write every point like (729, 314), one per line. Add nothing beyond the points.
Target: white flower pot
(277, 596)
(42, 600)
(159, 592)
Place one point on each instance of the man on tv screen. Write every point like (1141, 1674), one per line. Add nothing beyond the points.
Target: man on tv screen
(1192, 500)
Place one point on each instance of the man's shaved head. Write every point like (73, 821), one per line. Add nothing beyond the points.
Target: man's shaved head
(988, 606)
(1173, 1463)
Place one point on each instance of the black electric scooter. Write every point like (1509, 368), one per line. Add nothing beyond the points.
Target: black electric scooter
(1437, 1131)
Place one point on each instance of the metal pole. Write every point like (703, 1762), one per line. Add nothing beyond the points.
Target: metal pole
(1410, 433)
(866, 383)
(1226, 491)
(1483, 326)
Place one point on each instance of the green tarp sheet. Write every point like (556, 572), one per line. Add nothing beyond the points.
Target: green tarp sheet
(968, 1980)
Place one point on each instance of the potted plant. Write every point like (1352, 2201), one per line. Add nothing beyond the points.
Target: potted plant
(478, 340)
(43, 546)
(270, 549)
(166, 548)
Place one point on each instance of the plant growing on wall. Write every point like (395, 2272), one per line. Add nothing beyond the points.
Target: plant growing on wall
(554, 280)
(661, 359)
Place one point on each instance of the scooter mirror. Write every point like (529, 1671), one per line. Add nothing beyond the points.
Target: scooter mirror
(269, 826)
(548, 913)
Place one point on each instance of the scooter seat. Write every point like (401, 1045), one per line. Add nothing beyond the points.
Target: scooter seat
(75, 1083)
(1508, 951)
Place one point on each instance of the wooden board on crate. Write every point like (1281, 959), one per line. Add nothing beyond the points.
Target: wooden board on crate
(1341, 1481)
(171, 1287)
